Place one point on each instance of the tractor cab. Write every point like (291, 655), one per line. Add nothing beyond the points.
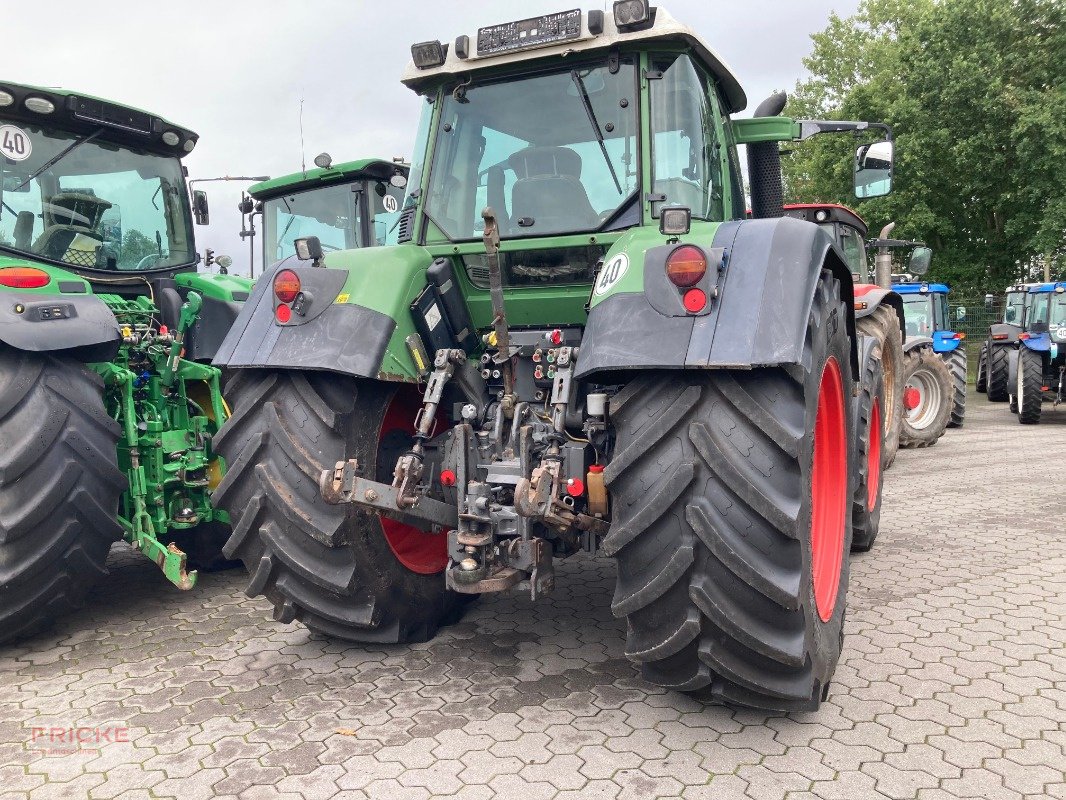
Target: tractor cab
(1038, 367)
(1046, 313)
(1016, 301)
(346, 206)
(847, 228)
(925, 308)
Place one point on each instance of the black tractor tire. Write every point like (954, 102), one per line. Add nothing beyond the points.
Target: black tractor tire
(713, 531)
(956, 361)
(866, 500)
(60, 487)
(883, 326)
(981, 384)
(998, 362)
(328, 566)
(1029, 392)
(926, 372)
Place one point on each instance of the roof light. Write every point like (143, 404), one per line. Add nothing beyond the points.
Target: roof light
(24, 278)
(1059, 289)
(675, 221)
(189, 145)
(323, 160)
(427, 54)
(40, 105)
(171, 138)
(6, 98)
(286, 285)
(821, 215)
(686, 265)
(628, 13)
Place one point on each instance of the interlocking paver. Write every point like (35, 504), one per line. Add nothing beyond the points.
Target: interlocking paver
(950, 686)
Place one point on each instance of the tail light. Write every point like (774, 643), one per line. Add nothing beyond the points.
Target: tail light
(686, 265)
(999, 336)
(1023, 336)
(24, 278)
(286, 285)
(959, 336)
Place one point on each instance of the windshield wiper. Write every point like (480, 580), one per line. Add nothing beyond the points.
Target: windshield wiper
(59, 157)
(595, 125)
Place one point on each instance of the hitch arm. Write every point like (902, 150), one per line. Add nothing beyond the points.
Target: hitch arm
(343, 484)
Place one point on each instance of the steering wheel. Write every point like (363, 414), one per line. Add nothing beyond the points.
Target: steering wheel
(148, 261)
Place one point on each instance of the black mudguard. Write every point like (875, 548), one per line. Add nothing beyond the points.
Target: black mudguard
(874, 299)
(917, 341)
(348, 339)
(759, 317)
(79, 326)
(1000, 328)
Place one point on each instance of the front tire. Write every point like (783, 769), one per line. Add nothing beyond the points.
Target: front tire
(60, 487)
(341, 572)
(730, 522)
(1029, 393)
(956, 361)
(927, 398)
(866, 500)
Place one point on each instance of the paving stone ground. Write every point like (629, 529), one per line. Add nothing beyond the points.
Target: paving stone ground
(952, 683)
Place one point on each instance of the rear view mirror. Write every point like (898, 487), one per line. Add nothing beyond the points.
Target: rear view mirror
(960, 313)
(873, 169)
(919, 260)
(988, 301)
(199, 208)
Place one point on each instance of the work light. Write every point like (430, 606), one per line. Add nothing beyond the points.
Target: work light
(628, 13)
(675, 221)
(427, 54)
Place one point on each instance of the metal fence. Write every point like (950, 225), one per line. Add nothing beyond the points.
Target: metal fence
(972, 317)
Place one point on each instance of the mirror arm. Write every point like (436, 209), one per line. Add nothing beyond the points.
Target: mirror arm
(812, 127)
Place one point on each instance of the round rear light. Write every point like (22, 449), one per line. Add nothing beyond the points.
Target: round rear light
(686, 265)
(286, 285)
(23, 278)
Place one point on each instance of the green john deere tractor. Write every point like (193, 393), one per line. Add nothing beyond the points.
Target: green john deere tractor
(580, 343)
(346, 206)
(108, 401)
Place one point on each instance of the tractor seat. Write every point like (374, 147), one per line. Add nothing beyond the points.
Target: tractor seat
(548, 189)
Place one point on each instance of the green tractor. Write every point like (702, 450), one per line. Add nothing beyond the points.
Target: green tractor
(580, 343)
(346, 206)
(108, 401)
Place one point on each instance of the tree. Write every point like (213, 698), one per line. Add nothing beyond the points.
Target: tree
(976, 93)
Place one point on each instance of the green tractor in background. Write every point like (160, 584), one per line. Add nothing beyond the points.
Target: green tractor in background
(346, 206)
(108, 401)
(580, 343)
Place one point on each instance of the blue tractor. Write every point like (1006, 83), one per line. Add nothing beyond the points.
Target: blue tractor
(1037, 368)
(929, 408)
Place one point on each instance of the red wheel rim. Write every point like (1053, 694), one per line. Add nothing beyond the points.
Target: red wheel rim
(873, 457)
(420, 552)
(829, 490)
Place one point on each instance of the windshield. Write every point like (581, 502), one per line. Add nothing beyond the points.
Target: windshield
(330, 213)
(1015, 305)
(99, 206)
(918, 311)
(686, 162)
(552, 153)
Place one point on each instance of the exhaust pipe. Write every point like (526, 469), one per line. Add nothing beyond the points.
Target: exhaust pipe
(764, 166)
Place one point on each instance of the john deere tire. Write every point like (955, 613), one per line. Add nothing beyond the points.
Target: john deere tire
(956, 361)
(883, 326)
(340, 572)
(59, 489)
(866, 499)
(1029, 392)
(998, 362)
(731, 522)
(927, 398)
(981, 384)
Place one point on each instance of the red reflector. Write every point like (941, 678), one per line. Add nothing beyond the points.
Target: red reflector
(556, 337)
(447, 477)
(575, 487)
(1023, 335)
(695, 300)
(1045, 388)
(286, 285)
(23, 278)
(959, 336)
(686, 265)
(998, 336)
(283, 314)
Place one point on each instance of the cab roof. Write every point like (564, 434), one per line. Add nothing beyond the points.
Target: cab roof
(921, 288)
(663, 28)
(82, 112)
(373, 168)
(834, 213)
(1042, 288)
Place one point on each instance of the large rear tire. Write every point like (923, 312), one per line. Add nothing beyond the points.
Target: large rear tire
(1030, 393)
(731, 522)
(341, 572)
(998, 373)
(59, 489)
(883, 326)
(866, 500)
(956, 361)
(927, 398)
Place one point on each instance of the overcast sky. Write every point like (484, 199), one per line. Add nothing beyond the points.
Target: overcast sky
(236, 72)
